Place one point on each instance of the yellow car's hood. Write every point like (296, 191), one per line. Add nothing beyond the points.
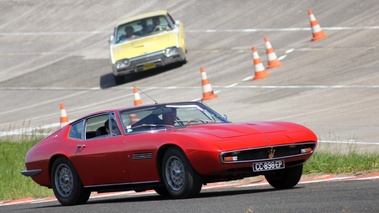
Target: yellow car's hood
(144, 45)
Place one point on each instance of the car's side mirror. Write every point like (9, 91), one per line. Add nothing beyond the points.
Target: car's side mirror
(111, 39)
(177, 23)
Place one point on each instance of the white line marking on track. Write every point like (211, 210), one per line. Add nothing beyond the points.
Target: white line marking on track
(54, 33)
(290, 51)
(350, 142)
(247, 78)
(42, 201)
(194, 31)
(282, 57)
(285, 29)
(325, 180)
(234, 85)
(231, 85)
(301, 86)
(369, 178)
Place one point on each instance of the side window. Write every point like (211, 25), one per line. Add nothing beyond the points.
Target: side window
(104, 125)
(113, 127)
(95, 126)
(76, 130)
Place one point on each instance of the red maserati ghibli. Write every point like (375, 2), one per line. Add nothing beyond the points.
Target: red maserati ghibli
(172, 148)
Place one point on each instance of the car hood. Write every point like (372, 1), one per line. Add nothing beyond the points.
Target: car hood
(244, 135)
(231, 130)
(144, 45)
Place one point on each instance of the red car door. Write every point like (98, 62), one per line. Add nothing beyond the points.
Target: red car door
(101, 161)
(141, 150)
(100, 158)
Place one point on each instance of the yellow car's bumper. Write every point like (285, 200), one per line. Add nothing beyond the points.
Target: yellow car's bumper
(149, 61)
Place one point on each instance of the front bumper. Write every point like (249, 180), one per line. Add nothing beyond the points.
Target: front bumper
(149, 61)
(31, 173)
(301, 150)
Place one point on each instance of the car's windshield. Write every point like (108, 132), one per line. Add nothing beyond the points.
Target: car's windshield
(141, 28)
(169, 116)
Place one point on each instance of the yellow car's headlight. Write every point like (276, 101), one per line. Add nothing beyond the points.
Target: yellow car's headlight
(123, 63)
(171, 51)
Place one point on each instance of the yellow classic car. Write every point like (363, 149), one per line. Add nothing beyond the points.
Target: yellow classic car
(145, 42)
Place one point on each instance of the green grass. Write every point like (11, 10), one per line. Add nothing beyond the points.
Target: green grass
(350, 162)
(13, 185)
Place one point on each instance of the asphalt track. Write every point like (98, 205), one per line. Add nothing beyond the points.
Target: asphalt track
(327, 193)
(56, 52)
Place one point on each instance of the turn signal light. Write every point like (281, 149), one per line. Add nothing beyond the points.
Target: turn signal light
(306, 150)
(230, 158)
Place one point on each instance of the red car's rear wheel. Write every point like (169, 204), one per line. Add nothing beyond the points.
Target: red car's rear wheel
(67, 187)
(180, 179)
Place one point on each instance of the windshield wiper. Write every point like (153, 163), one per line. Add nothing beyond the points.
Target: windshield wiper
(195, 121)
(151, 126)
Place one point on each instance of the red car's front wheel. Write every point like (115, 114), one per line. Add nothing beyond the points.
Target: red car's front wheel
(285, 178)
(180, 179)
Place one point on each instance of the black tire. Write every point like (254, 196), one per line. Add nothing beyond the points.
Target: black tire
(286, 178)
(179, 178)
(162, 191)
(67, 186)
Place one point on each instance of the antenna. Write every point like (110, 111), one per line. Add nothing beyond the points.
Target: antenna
(148, 96)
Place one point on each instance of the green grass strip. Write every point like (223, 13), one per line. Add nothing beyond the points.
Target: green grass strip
(339, 163)
(13, 184)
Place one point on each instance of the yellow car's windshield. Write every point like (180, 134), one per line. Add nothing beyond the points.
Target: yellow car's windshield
(141, 28)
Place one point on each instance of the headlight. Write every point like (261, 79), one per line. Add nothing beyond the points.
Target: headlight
(122, 63)
(171, 51)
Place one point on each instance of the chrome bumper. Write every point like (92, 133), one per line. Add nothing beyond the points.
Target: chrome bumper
(30, 173)
(149, 61)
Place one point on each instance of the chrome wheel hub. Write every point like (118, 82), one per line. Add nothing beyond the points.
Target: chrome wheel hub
(175, 173)
(64, 180)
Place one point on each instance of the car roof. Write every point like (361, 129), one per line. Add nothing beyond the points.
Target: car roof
(156, 104)
(134, 107)
(144, 15)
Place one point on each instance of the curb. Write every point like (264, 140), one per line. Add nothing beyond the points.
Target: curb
(320, 178)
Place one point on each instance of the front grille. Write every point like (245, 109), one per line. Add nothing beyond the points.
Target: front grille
(156, 56)
(268, 153)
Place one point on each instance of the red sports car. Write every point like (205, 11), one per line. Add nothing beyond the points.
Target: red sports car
(173, 148)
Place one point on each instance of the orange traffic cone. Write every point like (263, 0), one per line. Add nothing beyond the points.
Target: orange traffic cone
(260, 71)
(133, 119)
(64, 117)
(137, 97)
(272, 60)
(316, 29)
(207, 88)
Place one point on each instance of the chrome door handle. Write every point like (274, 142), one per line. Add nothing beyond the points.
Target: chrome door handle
(81, 146)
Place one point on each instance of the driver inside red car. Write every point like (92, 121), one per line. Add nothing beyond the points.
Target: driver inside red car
(169, 117)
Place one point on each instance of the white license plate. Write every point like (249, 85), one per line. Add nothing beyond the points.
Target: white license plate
(268, 165)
